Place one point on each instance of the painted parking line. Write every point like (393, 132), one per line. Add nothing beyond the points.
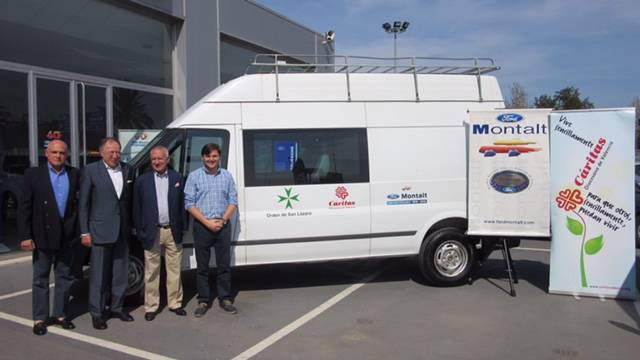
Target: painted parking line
(88, 339)
(530, 249)
(257, 348)
(13, 261)
(18, 293)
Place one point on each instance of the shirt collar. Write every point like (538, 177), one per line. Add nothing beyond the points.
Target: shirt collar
(163, 175)
(117, 168)
(206, 171)
(51, 169)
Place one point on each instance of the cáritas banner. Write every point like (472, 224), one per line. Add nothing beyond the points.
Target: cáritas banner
(508, 166)
(592, 203)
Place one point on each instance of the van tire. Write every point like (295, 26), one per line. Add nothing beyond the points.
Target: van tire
(446, 257)
(135, 287)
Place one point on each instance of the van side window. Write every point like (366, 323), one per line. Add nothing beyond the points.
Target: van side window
(305, 156)
(196, 139)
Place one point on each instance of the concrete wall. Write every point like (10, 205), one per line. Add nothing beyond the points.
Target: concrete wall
(196, 58)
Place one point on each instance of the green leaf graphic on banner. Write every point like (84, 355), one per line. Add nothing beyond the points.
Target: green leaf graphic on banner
(594, 245)
(574, 226)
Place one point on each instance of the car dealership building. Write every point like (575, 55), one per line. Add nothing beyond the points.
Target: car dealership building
(80, 70)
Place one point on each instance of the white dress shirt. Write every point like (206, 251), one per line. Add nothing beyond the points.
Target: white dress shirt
(162, 194)
(116, 178)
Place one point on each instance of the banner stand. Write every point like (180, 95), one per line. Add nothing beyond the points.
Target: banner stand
(508, 261)
(503, 243)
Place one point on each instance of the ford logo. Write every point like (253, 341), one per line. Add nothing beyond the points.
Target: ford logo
(393, 196)
(510, 118)
(509, 181)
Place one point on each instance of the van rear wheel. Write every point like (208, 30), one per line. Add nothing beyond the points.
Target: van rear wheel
(446, 257)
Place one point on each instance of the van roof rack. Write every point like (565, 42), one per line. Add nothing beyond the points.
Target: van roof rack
(297, 63)
(342, 64)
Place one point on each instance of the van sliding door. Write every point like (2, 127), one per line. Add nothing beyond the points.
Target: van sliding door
(306, 194)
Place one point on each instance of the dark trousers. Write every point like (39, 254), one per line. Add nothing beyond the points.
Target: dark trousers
(109, 270)
(43, 259)
(221, 241)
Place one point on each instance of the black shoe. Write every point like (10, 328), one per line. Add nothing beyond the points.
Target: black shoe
(201, 310)
(64, 323)
(227, 306)
(124, 316)
(98, 323)
(179, 311)
(40, 328)
(149, 316)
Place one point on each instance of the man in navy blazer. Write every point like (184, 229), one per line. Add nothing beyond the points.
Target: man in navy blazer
(47, 221)
(157, 216)
(105, 200)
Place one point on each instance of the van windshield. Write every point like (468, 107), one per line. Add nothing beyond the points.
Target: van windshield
(163, 137)
(184, 147)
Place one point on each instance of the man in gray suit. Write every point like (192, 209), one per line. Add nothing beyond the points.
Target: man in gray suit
(105, 201)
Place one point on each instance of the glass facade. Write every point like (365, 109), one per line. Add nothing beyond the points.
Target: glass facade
(88, 37)
(135, 109)
(93, 126)
(53, 114)
(235, 56)
(14, 125)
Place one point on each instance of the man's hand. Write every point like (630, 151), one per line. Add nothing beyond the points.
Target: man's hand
(214, 225)
(86, 240)
(28, 245)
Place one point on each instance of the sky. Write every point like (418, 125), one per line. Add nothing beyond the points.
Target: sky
(544, 45)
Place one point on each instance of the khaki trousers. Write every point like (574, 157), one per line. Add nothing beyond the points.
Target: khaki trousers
(173, 260)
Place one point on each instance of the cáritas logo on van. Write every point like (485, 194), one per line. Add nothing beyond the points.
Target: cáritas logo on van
(509, 118)
(342, 193)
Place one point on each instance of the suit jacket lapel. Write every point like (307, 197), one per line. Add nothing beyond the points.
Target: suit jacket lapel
(102, 168)
(172, 185)
(152, 189)
(48, 186)
(72, 186)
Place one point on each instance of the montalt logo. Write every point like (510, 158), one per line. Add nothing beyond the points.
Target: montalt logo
(288, 198)
(342, 194)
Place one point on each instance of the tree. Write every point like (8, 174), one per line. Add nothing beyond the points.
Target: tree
(545, 101)
(518, 97)
(565, 99)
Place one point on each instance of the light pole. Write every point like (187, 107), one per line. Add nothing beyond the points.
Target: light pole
(398, 27)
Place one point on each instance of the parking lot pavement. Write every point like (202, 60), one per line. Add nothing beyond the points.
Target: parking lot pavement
(392, 316)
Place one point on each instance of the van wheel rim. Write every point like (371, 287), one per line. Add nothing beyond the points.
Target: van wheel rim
(451, 258)
(136, 275)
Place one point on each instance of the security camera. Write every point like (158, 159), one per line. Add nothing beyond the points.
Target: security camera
(330, 35)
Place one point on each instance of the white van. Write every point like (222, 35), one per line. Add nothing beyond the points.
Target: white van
(360, 160)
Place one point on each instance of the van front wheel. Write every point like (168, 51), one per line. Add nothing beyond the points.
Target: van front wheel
(446, 257)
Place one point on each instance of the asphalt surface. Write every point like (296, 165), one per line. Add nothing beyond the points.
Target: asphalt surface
(393, 315)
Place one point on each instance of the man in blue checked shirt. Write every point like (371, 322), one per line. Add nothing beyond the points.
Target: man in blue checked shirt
(210, 196)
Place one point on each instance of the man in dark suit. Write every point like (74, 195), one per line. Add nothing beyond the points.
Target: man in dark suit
(157, 216)
(47, 221)
(105, 199)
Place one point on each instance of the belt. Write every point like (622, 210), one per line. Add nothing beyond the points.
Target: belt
(164, 226)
